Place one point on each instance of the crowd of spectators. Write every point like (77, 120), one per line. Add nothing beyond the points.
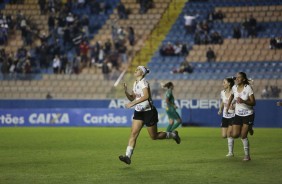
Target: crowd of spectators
(184, 67)
(271, 91)
(66, 46)
(177, 49)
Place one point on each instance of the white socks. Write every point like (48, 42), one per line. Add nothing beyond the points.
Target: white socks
(230, 141)
(246, 146)
(129, 151)
(170, 135)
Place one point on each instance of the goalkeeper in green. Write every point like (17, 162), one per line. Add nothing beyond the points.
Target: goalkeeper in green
(171, 108)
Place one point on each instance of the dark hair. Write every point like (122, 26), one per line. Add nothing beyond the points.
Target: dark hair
(147, 70)
(230, 80)
(168, 85)
(244, 75)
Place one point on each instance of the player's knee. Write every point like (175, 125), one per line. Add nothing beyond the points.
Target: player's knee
(154, 137)
(235, 136)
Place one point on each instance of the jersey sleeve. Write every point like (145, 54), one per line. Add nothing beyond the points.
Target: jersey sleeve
(249, 90)
(144, 84)
(233, 90)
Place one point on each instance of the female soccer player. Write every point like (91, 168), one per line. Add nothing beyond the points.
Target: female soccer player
(227, 118)
(242, 92)
(171, 108)
(145, 113)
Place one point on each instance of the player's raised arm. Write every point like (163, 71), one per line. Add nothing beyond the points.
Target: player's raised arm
(130, 96)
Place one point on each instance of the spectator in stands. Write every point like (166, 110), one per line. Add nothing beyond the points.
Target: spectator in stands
(64, 63)
(131, 36)
(122, 34)
(95, 7)
(101, 56)
(122, 52)
(5, 69)
(108, 47)
(106, 69)
(49, 96)
(278, 42)
(252, 27)
(184, 50)
(114, 60)
(245, 27)
(145, 5)
(81, 3)
(197, 38)
(279, 103)
(85, 25)
(210, 55)
(51, 23)
(122, 13)
(273, 43)
(70, 19)
(265, 92)
(189, 24)
(56, 64)
(84, 48)
(177, 49)
(167, 49)
(42, 5)
(184, 67)
(216, 38)
(275, 91)
(236, 32)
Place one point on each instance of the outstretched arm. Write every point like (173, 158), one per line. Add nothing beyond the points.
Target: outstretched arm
(129, 96)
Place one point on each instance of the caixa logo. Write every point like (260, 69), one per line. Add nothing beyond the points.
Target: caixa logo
(49, 118)
(8, 119)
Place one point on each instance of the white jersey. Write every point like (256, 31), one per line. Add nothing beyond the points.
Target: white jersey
(138, 91)
(242, 109)
(225, 100)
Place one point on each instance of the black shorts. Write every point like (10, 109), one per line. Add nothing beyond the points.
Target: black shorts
(149, 118)
(248, 120)
(225, 122)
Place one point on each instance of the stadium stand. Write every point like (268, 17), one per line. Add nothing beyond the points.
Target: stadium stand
(249, 54)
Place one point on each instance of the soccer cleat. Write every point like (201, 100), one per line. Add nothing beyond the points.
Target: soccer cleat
(247, 158)
(125, 159)
(230, 155)
(251, 131)
(177, 138)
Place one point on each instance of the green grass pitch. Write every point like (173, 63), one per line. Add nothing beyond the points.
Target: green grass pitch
(90, 155)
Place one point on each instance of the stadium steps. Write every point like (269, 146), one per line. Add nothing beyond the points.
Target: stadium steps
(158, 34)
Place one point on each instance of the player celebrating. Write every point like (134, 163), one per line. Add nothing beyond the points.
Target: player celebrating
(171, 108)
(227, 118)
(145, 113)
(244, 112)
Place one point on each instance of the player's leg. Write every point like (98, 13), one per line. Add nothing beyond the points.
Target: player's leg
(170, 124)
(230, 141)
(178, 119)
(224, 132)
(245, 141)
(135, 130)
(154, 134)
